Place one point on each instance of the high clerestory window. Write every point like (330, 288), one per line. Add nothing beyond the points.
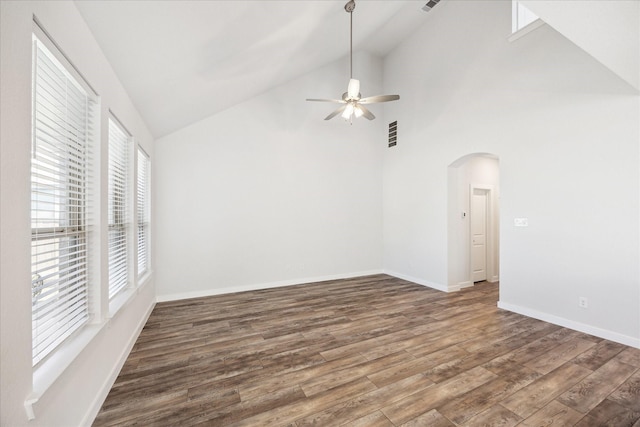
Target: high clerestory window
(521, 18)
(63, 127)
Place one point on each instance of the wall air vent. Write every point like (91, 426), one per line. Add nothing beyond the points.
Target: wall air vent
(393, 133)
(430, 5)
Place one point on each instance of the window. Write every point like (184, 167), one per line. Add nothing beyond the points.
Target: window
(62, 126)
(144, 173)
(521, 17)
(118, 208)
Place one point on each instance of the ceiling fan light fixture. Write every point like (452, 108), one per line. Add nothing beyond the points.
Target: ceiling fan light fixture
(348, 112)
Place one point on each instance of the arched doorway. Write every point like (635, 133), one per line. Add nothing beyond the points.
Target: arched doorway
(473, 220)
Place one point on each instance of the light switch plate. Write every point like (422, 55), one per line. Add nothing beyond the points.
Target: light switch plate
(521, 222)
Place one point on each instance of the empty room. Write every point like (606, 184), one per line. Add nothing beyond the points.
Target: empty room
(333, 212)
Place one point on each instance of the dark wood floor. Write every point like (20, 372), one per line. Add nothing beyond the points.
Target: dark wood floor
(371, 351)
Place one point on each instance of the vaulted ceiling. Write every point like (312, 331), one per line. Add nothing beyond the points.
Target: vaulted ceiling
(181, 61)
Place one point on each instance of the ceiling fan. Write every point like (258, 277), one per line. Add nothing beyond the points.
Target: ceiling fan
(351, 99)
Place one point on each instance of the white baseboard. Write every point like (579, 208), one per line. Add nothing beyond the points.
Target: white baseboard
(576, 326)
(260, 286)
(426, 283)
(466, 284)
(111, 379)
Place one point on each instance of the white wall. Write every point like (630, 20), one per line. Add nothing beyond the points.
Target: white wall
(268, 193)
(566, 131)
(609, 31)
(75, 397)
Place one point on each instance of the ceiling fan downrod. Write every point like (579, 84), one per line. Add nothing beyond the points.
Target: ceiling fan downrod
(349, 7)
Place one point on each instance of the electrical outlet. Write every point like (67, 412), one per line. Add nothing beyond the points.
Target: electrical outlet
(583, 302)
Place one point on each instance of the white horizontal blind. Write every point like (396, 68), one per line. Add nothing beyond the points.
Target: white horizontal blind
(118, 208)
(62, 126)
(143, 206)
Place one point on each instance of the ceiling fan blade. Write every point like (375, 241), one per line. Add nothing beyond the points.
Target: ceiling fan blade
(335, 113)
(353, 90)
(339, 101)
(379, 98)
(365, 112)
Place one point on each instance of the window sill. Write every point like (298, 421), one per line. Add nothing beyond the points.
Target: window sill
(45, 374)
(127, 294)
(52, 368)
(121, 300)
(49, 370)
(526, 30)
(144, 279)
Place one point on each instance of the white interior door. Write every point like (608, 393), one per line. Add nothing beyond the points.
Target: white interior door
(478, 224)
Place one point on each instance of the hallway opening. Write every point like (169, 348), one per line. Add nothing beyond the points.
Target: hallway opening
(473, 227)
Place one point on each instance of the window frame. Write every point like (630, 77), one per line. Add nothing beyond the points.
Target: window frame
(61, 171)
(518, 28)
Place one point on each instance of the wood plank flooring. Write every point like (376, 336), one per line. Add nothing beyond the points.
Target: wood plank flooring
(371, 351)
